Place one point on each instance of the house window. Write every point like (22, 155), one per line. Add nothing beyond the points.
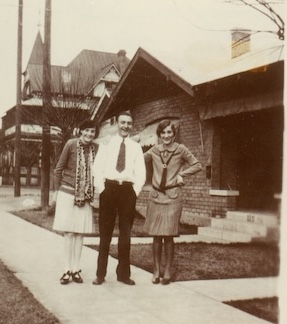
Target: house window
(66, 77)
(110, 86)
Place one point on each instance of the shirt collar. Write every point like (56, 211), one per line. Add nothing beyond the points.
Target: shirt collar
(120, 139)
(170, 149)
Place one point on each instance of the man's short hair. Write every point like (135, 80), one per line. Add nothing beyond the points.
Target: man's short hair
(124, 113)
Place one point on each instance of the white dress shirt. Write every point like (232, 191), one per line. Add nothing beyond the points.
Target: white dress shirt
(106, 159)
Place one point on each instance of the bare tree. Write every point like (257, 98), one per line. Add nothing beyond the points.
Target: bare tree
(71, 102)
(61, 101)
(30, 153)
(265, 8)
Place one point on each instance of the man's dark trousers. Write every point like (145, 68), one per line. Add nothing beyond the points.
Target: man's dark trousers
(116, 200)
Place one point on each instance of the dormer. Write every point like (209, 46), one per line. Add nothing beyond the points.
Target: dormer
(110, 77)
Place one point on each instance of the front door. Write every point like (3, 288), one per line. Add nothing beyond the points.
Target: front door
(258, 142)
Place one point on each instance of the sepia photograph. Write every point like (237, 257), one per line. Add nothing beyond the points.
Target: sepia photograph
(142, 173)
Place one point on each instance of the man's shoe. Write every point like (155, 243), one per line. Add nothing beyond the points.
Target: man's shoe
(98, 281)
(166, 281)
(127, 281)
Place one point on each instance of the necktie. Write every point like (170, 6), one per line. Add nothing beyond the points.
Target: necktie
(162, 184)
(121, 163)
(163, 177)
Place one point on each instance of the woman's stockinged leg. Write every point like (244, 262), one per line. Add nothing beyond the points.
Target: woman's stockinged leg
(157, 251)
(169, 254)
(68, 251)
(68, 257)
(78, 246)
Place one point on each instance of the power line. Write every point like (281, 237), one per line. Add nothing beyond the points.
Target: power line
(194, 25)
(213, 29)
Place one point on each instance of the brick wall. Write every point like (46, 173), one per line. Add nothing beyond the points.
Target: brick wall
(198, 205)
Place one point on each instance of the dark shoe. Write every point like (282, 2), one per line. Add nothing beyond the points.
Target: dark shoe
(127, 281)
(77, 277)
(165, 281)
(65, 279)
(155, 281)
(98, 281)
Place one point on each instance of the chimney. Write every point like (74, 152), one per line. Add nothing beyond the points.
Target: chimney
(122, 53)
(240, 42)
(122, 60)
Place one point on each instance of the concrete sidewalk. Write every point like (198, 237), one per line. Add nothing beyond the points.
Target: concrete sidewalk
(35, 255)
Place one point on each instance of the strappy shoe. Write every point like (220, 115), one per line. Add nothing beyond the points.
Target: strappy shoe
(65, 278)
(77, 277)
(155, 280)
(167, 281)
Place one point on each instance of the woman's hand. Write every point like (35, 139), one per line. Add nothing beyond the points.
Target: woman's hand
(179, 180)
(54, 199)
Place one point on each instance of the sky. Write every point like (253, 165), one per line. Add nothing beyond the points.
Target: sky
(194, 32)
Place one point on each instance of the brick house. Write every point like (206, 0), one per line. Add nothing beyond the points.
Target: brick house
(232, 120)
(78, 90)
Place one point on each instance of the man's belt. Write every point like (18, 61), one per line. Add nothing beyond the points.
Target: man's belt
(119, 183)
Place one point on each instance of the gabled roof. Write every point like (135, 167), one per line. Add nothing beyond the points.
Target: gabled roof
(92, 65)
(83, 71)
(145, 68)
(36, 77)
(94, 61)
(103, 73)
(145, 78)
(247, 62)
(185, 67)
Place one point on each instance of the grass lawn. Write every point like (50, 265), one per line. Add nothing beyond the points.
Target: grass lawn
(204, 261)
(17, 304)
(266, 308)
(199, 261)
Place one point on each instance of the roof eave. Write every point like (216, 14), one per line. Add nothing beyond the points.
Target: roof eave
(168, 73)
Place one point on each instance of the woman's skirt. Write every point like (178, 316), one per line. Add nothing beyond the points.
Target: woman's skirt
(71, 218)
(163, 212)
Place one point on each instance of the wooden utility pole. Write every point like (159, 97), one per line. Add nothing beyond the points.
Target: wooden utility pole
(17, 156)
(47, 102)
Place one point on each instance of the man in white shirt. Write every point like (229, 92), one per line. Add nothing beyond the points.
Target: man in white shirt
(119, 174)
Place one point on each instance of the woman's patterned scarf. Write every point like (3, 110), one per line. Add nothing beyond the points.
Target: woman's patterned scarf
(84, 186)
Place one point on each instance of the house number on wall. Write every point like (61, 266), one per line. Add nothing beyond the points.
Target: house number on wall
(250, 218)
